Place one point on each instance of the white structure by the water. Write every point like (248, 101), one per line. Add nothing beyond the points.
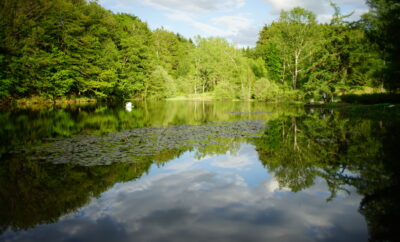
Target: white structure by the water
(128, 106)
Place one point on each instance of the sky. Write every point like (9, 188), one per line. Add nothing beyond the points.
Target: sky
(239, 21)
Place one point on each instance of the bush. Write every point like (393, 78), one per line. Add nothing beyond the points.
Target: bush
(269, 91)
(224, 90)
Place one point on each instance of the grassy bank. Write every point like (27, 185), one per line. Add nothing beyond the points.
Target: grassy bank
(45, 100)
(194, 97)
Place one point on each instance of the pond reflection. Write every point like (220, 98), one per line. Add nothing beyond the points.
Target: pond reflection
(208, 171)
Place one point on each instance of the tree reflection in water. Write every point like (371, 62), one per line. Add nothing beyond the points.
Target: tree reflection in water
(345, 148)
(344, 151)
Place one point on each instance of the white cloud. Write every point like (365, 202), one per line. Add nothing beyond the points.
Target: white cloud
(208, 29)
(233, 24)
(271, 185)
(234, 4)
(195, 6)
(284, 4)
(226, 18)
(353, 2)
(179, 16)
(322, 9)
(185, 164)
(229, 26)
(221, 207)
(315, 6)
(234, 162)
(199, 6)
(237, 28)
(245, 37)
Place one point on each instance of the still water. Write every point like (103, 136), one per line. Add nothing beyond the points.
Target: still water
(199, 171)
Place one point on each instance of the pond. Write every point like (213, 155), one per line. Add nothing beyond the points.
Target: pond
(199, 171)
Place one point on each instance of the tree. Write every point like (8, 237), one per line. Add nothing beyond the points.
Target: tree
(268, 50)
(136, 55)
(214, 61)
(382, 23)
(160, 84)
(299, 39)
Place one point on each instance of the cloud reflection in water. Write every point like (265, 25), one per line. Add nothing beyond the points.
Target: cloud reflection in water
(215, 198)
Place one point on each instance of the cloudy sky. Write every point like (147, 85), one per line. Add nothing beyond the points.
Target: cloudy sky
(239, 21)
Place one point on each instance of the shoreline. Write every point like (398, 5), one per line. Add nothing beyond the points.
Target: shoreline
(40, 101)
(45, 102)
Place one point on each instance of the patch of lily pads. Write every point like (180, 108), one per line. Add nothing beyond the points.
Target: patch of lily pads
(132, 145)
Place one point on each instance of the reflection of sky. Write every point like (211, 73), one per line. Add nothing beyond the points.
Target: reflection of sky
(228, 197)
(244, 163)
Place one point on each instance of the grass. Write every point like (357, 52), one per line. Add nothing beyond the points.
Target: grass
(197, 97)
(43, 101)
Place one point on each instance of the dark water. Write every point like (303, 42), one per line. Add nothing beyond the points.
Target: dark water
(199, 171)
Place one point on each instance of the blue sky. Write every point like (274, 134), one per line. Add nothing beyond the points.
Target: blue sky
(239, 21)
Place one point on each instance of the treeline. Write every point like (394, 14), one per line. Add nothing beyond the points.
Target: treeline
(76, 48)
(72, 48)
(323, 60)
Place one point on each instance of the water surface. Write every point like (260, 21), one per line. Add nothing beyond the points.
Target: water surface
(198, 171)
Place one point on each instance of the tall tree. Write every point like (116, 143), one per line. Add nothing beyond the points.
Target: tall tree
(136, 55)
(299, 37)
(382, 24)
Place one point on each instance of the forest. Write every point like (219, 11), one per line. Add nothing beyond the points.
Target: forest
(70, 49)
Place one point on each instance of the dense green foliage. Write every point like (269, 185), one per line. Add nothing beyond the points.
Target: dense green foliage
(63, 48)
(319, 59)
(75, 48)
(382, 26)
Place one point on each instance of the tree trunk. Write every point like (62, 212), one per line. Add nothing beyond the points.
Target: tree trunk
(295, 146)
(296, 71)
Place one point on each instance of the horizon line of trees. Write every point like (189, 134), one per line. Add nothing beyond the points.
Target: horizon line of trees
(73, 48)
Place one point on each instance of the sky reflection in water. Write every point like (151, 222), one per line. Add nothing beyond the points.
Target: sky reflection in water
(228, 197)
(199, 171)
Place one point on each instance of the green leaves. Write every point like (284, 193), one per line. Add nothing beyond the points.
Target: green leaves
(69, 48)
(298, 16)
(318, 59)
(382, 24)
(73, 48)
(160, 84)
(61, 82)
